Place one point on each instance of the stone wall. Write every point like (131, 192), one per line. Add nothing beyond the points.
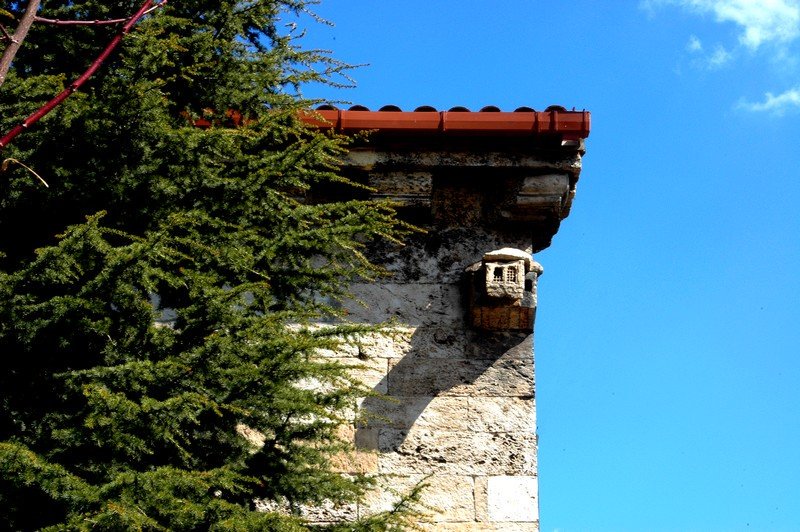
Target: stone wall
(459, 402)
(458, 406)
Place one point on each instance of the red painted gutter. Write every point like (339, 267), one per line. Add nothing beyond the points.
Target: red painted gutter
(570, 125)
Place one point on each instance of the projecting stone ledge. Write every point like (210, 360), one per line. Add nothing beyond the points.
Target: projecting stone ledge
(464, 183)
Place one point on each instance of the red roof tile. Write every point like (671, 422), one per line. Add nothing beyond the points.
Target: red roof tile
(489, 121)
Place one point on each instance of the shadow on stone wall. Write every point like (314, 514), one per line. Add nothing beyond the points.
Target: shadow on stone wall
(459, 370)
(441, 388)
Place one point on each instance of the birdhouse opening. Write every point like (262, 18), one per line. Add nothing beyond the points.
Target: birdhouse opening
(511, 274)
(498, 274)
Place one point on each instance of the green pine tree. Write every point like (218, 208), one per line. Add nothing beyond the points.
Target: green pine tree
(157, 300)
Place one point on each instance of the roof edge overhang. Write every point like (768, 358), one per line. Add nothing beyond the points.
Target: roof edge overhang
(555, 121)
(509, 171)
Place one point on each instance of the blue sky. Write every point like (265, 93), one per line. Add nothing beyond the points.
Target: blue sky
(668, 370)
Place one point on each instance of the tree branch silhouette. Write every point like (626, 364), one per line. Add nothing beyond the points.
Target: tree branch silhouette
(57, 22)
(17, 39)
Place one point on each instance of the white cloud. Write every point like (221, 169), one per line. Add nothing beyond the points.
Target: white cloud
(760, 21)
(773, 25)
(719, 58)
(713, 60)
(694, 44)
(775, 104)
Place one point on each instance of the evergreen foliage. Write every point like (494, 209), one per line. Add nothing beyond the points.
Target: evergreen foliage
(156, 300)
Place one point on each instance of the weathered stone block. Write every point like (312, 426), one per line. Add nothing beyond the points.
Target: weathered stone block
(506, 345)
(328, 512)
(448, 497)
(432, 341)
(445, 413)
(438, 342)
(395, 343)
(408, 189)
(369, 158)
(412, 304)
(366, 438)
(544, 185)
(422, 451)
(502, 414)
(370, 371)
(482, 499)
(513, 498)
(482, 527)
(466, 377)
(325, 513)
(455, 205)
(455, 414)
(355, 461)
(345, 351)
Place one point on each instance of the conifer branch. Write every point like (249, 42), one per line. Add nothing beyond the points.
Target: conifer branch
(83, 78)
(15, 41)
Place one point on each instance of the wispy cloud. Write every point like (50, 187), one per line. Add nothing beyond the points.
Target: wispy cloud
(769, 25)
(760, 21)
(694, 44)
(780, 104)
(719, 57)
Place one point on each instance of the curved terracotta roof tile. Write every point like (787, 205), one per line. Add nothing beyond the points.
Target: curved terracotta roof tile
(555, 120)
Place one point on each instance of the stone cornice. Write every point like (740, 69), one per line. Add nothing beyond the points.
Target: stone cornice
(519, 186)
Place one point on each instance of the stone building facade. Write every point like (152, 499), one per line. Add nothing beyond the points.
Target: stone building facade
(490, 188)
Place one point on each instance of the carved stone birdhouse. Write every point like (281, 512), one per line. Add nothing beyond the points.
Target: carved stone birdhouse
(502, 290)
(505, 271)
